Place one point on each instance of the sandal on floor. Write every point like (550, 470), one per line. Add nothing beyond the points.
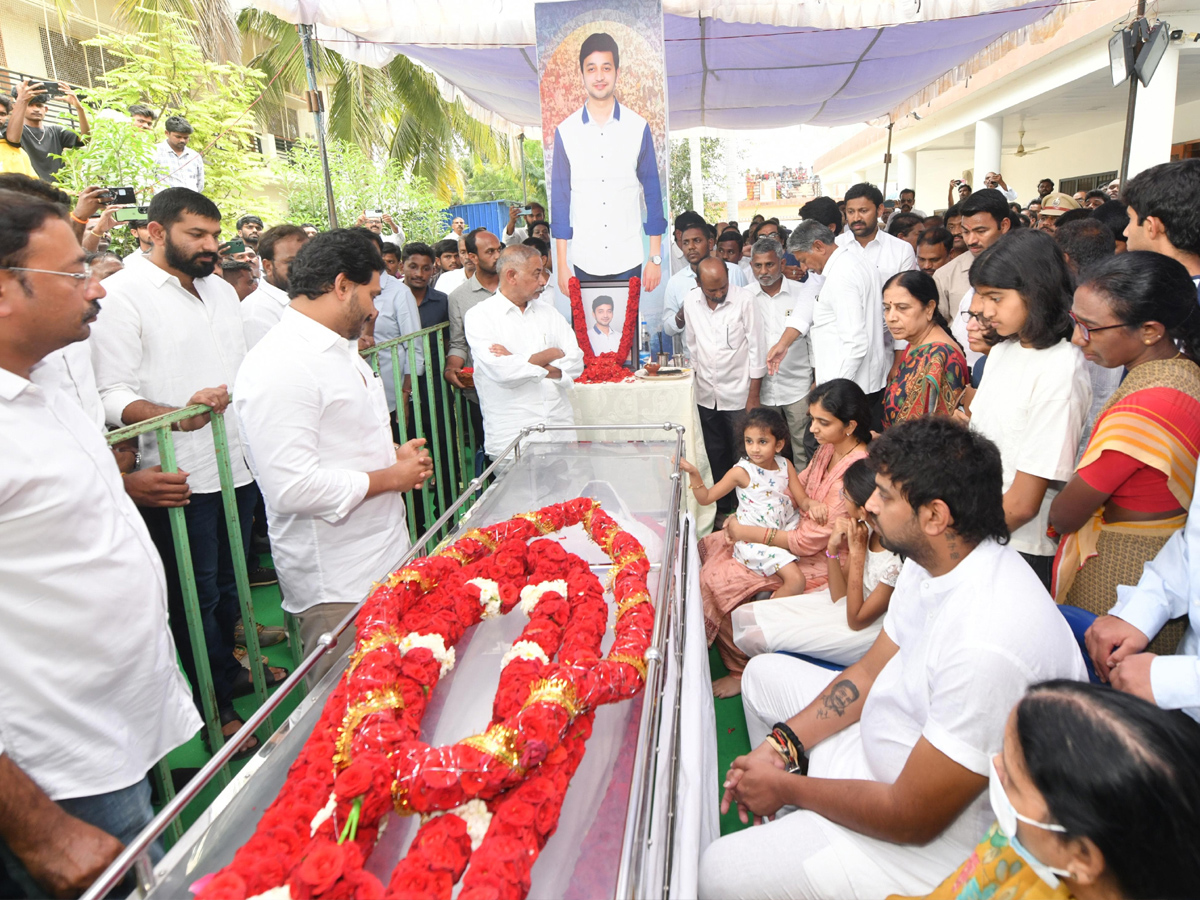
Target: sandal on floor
(248, 748)
(243, 683)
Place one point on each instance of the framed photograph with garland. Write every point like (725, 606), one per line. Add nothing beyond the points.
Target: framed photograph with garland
(604, 315)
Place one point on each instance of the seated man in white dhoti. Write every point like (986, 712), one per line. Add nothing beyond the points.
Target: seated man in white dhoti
(880, 770)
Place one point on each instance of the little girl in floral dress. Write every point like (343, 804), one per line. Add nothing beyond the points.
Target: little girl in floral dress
(766, 485)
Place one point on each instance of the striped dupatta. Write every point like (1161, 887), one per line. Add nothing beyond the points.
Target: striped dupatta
(1154, 417)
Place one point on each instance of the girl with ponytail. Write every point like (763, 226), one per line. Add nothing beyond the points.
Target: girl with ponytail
(932, 373)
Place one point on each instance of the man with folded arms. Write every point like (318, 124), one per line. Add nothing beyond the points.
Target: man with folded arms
(92, 696)
(320, 442)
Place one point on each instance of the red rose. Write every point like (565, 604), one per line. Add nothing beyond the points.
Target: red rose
(322, 867)
(226, 886)
(364, 885)
(354, 780)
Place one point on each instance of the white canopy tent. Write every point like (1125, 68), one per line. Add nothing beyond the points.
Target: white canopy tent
(730, 65)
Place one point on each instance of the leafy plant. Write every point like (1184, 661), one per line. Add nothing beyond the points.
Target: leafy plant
(712, 173)
(359, 184)
(168, 71)
(502, 181)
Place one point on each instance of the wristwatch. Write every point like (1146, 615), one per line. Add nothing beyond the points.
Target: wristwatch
(657, 260)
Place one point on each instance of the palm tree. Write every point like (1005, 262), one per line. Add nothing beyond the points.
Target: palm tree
(397, 109)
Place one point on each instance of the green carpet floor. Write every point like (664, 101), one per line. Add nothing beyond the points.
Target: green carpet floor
(732, 740)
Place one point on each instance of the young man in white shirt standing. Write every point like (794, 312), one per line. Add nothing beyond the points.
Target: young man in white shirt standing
(320, 442)
(172, 336)
(847, 332)
(263, 308)
(888, 254)
(92, 696)
(725, 341)
(779, 303)
(181, 165)
(526, 356)
(890, 757)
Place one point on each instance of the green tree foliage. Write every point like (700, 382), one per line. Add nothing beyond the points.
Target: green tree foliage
(168, 71)
(712, 172)
(359, 184)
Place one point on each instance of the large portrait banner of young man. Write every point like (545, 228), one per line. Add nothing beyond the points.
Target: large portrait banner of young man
(604, 133)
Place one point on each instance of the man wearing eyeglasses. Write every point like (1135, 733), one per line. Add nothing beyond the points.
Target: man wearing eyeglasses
(92, 696)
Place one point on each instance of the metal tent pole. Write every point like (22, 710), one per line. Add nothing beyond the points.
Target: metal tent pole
(1132, 105)
(316, 106)
(887, 160)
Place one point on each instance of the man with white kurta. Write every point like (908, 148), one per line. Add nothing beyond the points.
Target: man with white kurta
(92, 695)
(725, 342)
(526, 356)
(320, 443)
(262, 310)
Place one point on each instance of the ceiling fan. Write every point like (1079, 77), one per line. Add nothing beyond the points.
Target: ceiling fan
(1021, 151)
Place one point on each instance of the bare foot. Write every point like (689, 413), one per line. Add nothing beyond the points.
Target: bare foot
(729, 686)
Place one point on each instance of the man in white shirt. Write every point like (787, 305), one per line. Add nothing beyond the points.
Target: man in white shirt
(526, 356)
(603, 336)
(779, 303)
(92, 697)
(458, 228)
(697, 243)
(604, 166)
(985, 219)
(886, 253)
(263, 308)
(847, 332)
(172, 336)
(891, 756)
(181, 165)
(514, 233)
(320, 444)
(725, 342)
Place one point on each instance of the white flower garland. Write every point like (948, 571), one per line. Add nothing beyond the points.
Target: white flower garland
(525, 650)
(282, 892)
(474, 813)
(434, 643)
(532, 594)
(323, 814)
(489, 596)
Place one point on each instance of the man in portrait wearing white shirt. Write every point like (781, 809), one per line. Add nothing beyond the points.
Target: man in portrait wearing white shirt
(181, 165)
(172, 336)
(604, 164)
(888, 254)
(320, 444)
(277, 248)
(604, 338)
(695, 239)
(725, 343)
(526, 356)
(779, 303)
(92, 696)
(847, 331)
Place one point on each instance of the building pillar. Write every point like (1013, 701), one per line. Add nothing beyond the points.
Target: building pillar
(988, 135)
(1154, 116)
(906, 171)
(697, 177)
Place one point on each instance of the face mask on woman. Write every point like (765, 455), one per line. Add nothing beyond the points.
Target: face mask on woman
(1007, 816)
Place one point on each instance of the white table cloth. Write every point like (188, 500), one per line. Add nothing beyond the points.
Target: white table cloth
(648, 402)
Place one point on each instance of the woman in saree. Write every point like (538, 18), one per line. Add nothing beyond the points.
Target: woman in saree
(932, 374)
(841, 425)
(1134, 482)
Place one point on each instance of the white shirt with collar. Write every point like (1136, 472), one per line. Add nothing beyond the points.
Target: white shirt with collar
(791, 307)
(450, 281)
(262, 310)
(684, 282)
(886, 253)
(398, 316)
(513, 392)
(316, 421)
(69, 369)
(970, 642)
(184, 169)
(604, 343)
(93, 696)
(847, 332)
(157, 341)
(726, 346)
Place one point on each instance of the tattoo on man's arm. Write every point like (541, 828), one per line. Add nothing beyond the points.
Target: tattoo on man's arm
(838, 699)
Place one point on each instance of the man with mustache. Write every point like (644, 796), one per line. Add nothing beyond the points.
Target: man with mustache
(172, 335)
(886, 253)
(93, 698)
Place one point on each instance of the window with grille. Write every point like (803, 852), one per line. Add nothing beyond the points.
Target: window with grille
(72, 62)
(285, 126)
(1085, 182)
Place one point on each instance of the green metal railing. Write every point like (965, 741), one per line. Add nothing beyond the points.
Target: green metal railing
(443, 423)
(440, 416)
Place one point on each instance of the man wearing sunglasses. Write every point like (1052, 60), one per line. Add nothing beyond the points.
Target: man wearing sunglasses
(94, 697)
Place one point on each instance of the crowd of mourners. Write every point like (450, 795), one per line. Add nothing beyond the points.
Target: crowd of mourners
(954, 456)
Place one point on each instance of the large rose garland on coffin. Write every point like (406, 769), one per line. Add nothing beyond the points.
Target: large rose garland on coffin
(490, 801)
(607, 367)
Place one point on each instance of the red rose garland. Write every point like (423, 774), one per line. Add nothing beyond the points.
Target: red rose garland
(493, 799)
(607, 367)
